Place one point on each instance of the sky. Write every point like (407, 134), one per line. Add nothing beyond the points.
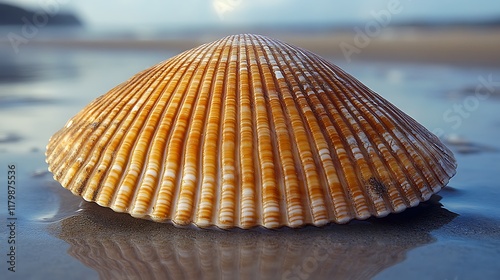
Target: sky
(130, 14)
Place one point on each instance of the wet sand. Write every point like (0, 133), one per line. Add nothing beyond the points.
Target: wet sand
(455, 235)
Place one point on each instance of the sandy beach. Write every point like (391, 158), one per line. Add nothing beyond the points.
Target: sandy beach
(448, 45)
(425, 72)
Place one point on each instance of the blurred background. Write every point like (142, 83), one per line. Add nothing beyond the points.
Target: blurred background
(438, 61)
(322, 24)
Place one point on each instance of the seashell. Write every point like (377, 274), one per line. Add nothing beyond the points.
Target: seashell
(248, 131)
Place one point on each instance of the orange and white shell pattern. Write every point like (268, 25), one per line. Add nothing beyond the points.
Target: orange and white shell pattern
(248, 131)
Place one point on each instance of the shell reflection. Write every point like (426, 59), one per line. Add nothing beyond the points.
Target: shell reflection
(120, 247)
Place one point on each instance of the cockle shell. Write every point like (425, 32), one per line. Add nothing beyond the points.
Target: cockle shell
(248, 131)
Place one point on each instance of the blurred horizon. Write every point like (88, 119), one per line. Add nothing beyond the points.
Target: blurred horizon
(157, 15)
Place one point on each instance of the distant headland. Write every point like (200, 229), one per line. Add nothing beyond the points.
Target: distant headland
(13, 15)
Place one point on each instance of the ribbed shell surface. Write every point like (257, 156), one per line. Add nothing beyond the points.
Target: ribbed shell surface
(248, 131)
